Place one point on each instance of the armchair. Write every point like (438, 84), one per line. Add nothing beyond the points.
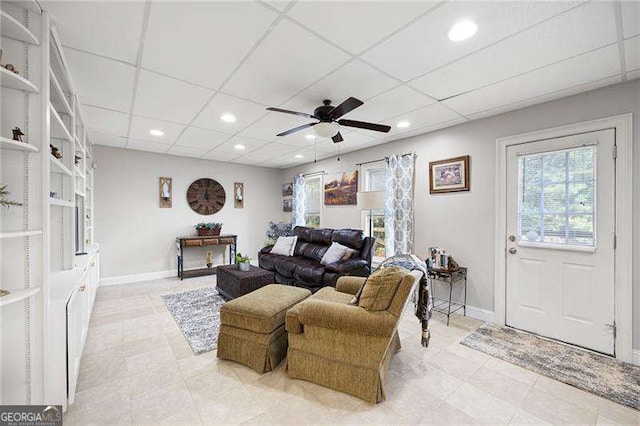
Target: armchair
(345, 347)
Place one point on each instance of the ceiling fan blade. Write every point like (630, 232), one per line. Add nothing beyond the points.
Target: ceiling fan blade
(364, 125)
(348, 105)
(286, 111)
(337, 138)
(296, 129)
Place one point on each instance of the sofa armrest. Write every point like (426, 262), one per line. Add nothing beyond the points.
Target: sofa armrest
(345, 266)
(266, 249)
(349, 285)
(352, 319)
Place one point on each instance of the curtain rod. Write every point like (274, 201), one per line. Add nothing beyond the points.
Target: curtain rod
(320, 172)
(383, 159)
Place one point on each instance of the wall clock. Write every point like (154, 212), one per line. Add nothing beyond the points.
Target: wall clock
(206, 196)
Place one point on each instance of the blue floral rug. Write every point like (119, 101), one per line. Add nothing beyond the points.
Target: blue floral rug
(197, 313)
(589, 371)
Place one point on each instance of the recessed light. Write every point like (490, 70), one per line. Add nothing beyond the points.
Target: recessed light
(462, 30)
(299, 156)
(310, 136)
(229, 118)
(239, 147)
(156, 132)
(403, 124)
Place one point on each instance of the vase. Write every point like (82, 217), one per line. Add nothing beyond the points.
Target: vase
(209, 259)
(244, 266)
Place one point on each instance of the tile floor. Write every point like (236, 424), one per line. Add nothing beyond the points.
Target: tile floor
(137, 368)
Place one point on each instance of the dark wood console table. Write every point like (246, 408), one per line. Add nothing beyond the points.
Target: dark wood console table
(219, 240)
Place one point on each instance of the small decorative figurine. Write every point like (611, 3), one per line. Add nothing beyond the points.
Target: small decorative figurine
(77, 159)
(209, 259)
(12, 68)
(17, 134)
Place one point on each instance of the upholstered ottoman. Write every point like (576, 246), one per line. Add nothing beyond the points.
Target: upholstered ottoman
(252, 326)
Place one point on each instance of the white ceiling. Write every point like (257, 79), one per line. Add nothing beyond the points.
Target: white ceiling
(179, 66)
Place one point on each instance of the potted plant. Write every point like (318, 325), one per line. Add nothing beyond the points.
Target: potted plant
(243, 262)
(210, 229)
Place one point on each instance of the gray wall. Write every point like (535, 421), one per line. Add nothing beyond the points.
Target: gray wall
(464, 222)
(136, 236)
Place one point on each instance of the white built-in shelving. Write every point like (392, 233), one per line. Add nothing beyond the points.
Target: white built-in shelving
(58, 127)
(12, 28)
(58, 97)
(10, 144)
(17, 296)
(20, 234)
(58, 167)
(11, 80)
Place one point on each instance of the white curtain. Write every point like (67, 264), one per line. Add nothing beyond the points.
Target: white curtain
(298, 201)
(399, 185)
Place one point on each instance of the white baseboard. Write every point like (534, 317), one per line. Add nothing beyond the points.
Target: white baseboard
(636, 357)
(480, 314)
(134, 278)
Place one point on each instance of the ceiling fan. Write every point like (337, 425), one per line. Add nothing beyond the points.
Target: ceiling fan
(328, 125)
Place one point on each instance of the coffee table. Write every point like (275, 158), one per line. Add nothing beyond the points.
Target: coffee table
(234, 283)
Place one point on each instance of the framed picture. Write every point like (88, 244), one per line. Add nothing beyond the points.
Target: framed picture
(341, 189)
(287, 189)
(166, 189)
(238, 195)
(450, 175)
(287, 206)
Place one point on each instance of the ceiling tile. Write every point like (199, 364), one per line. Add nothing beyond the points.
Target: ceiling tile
(168, 99)
(389, 104)
(632, 53)
(140, 127)
(147, 146)
(357, 25)
(107, 140)
(116, 80)
(245, 113)
(186, 151)
(219, 156)
(107, 28)
(278, 4)
(271, 150)
(424, 45)
(249, 160)
(206, 40)
(105, 121)
(561, 37)
(272, 124)
(201, 138)
(424, 117)
(249, 145)
(288, 60)
(595, 65)
(630, 18)
(355, 79)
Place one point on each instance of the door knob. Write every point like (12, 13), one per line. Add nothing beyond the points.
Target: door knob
(512, 238)
(512, 250)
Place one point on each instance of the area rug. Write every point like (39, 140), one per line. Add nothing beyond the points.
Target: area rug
(591, 372)
(197, 313)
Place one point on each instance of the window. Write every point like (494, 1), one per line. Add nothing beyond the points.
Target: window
(556, 197)
(374, 181)
(313, 201)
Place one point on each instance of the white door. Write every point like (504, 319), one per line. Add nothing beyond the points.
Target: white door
(560, 239)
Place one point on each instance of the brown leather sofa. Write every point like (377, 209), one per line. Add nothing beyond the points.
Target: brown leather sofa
(303, 269)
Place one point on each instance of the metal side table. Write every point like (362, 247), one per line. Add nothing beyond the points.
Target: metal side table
(450, 277)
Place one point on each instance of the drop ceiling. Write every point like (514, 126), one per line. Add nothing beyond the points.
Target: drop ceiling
(179, 66)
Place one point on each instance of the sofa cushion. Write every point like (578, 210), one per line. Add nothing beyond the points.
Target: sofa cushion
(327, 294)
(268, 261)
(314, 251)
(379, 289)
(309, 272)
(263, 310)
(285, 265)
(353, 238)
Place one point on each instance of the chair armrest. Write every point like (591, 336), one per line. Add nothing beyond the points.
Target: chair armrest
(349, 285)
(266, 249)
(352, 319)
(346, 266)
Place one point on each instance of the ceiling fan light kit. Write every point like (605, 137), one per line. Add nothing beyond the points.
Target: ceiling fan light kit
(328, 124)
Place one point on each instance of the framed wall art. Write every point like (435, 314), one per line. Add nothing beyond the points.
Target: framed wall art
(287, 189)
(238, 195)
(341, 189)
(450, 175)
(166, 191)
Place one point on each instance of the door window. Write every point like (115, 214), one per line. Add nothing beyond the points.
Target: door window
(556, 198)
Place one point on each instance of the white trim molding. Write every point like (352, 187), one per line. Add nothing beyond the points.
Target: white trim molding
(636, 357)
(136, 278)
(480, 314)
(623, 126)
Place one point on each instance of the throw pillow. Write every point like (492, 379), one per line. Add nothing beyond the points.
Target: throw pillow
(348, 253)
(285, 246)
(334, 253)
(380, 288)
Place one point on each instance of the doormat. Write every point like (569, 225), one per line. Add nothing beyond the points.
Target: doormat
(591, 372)
(197, 313)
